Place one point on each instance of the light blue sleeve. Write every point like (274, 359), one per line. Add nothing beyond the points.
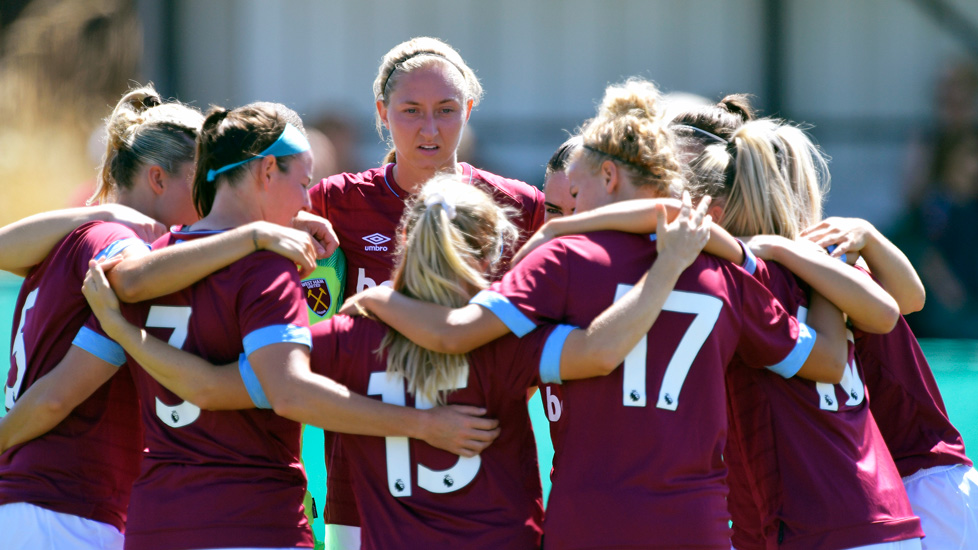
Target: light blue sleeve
(100, 346)
(750, 260)
(550, 358)
(116, 247)
(276, 334)
(252, 384)
(803, 348)
(501, 307)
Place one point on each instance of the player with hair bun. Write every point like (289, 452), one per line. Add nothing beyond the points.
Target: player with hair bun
(625, 491)
(767, 178)
(424, 93)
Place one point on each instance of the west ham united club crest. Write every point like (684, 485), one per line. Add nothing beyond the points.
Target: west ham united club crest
(317, 295)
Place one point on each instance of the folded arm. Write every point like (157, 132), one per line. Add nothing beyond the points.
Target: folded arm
(890, 266)
(631, 216)
(25, 243)
(868, 306)
(176, 267)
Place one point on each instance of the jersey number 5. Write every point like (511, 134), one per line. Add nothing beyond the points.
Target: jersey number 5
(177, 318)
(391, 390)
(20, 352)
(707, 310)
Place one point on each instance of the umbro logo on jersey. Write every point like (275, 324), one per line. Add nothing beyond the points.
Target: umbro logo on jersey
(375, 241)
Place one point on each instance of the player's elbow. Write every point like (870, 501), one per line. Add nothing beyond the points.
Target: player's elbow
(126, 286)
(914, 302)
(287, 405)
(603, 361)
(55, 405)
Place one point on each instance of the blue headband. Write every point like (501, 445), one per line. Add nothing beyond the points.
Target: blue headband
(291, 142)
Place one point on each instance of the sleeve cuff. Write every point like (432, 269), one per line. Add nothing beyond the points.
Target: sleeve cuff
(276, 334)
(116, 247)
(550, 358)
(255, 391)
(100, 346)
(750, 260)
(501, 307)
(803, 348)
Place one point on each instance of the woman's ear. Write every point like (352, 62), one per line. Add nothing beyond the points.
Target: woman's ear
(716, 211)
(468, 109)
(266, 171)
(155, 177)
(382, 113)
(610, 176)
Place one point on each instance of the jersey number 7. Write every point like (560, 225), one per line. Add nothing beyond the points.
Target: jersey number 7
(707, 310)
(177, 318)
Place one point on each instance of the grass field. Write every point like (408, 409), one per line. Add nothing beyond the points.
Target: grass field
(954, 362)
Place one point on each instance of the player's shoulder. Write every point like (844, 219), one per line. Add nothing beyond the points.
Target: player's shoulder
(516, 190)
(347, 181)
(101, 231)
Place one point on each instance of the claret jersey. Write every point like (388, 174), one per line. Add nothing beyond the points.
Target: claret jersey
(85, 466)
(907, 403)
(365, 210)
(638, 463)
(213, 479)
(807, 465)
(411, 495)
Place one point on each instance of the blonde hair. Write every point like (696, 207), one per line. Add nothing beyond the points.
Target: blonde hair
(631, 131)
(447, 233)
(779, 179)
(414, 54)
(144, 130)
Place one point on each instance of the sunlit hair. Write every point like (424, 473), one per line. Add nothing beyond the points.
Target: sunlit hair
(143, 130)
(778, 182)
(441, 259)
(562, 156)
(702, 134)
(630, 130)
(415, 54)
(230, 136)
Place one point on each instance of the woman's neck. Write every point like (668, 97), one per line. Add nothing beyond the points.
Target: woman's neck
(231, 208)
(411, 180)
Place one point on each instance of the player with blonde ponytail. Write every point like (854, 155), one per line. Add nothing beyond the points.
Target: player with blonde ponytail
(423, 94)
(612, 430)
(451, 237)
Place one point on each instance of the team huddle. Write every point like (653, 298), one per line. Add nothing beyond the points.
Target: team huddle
(702, 390)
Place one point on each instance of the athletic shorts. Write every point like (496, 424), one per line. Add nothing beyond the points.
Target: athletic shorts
(25, 526)
(946, 500)
(909, 544)
(342, 537)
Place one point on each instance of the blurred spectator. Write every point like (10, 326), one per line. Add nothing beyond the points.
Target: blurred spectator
(342, 133)
(939, 231)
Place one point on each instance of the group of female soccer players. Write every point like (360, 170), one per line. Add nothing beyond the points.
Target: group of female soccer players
(764, 382)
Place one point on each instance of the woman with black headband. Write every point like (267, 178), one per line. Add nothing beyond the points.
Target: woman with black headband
(766, 179)
(424, 94)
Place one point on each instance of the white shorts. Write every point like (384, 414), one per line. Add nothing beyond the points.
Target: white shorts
(342, 537)
(26, 526)
(909, 544)
(946, 500)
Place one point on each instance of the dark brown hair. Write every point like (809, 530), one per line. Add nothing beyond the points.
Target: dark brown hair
(231, 136)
